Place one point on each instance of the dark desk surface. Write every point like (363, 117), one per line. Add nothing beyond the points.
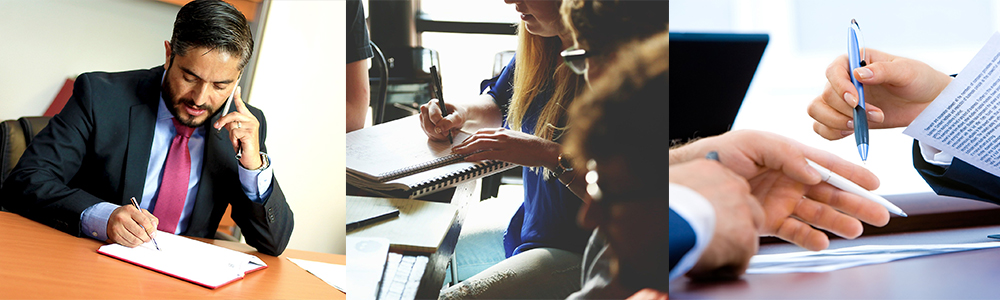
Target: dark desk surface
(37, 261)
(962, 275)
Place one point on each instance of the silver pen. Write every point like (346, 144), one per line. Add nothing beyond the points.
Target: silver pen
(848, 186)
(136, 204)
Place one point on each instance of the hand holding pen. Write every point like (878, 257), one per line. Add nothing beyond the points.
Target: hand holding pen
(437, 119)
(151, 233)
(436, 84)
(897, 89)
(130, 226)
(798, 204)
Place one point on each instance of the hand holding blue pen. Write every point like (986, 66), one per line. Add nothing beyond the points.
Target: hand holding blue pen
(856, 60)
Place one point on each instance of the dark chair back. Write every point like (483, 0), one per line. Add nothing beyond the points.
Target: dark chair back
(15, 135)
(378, 104)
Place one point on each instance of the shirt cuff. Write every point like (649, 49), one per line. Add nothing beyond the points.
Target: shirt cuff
(698, 212)
(257, 183)
(934, 156)
(94, 220)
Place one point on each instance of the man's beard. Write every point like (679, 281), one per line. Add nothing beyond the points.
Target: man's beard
(173, 102)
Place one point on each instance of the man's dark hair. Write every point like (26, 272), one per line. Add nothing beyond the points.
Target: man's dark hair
(213, 24)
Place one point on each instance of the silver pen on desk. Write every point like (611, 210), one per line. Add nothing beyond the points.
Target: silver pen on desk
(848, 186)
(136, 204)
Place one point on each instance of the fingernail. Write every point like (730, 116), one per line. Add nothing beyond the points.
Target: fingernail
(846, 133)
(851, 100)
(850, 124)
(865, 73)
(438, 130)
(876, 116)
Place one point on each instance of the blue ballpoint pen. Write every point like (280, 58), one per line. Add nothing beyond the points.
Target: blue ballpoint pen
(857, 60)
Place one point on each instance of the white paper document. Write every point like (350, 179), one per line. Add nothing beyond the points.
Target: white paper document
(201, 263)
(333, 274)
(963, 120)
(836, 259)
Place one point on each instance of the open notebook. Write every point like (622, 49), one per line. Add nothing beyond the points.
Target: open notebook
(200, 263)
(396, 159)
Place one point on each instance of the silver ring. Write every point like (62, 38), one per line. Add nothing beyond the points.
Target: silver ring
(238, 125)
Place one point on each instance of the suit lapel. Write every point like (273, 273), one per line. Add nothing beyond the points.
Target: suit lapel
(142, 120)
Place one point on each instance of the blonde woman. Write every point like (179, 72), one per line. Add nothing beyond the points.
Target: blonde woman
(522, 119)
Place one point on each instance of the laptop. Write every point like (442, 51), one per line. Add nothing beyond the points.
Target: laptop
(710, 74)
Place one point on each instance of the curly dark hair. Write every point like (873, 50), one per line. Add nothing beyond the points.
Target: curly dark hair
(626, 113)
(601, 26)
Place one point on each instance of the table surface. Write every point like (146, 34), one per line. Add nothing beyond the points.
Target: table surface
(37, 261)
(962, 275)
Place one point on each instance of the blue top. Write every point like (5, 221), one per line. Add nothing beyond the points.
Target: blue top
(547, 218)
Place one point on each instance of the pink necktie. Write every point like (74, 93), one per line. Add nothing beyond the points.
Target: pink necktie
(174, 186)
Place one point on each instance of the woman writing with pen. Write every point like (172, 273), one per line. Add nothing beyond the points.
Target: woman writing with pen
(520, 120)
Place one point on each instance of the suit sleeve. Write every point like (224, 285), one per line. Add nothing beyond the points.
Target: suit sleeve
(268, 225)
(692, 224)
(958, 180)
(38, 187)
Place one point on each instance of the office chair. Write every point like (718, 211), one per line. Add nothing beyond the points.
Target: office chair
(15, 135)
(378, 106)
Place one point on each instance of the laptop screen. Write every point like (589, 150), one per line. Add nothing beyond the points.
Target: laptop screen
(709, 76)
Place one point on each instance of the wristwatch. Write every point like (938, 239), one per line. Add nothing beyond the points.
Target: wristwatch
(264, 162)
(563, 166)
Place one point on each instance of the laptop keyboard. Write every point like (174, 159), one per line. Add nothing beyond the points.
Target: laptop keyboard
(402, 276)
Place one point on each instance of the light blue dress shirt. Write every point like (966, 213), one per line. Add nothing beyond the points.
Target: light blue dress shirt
(94, 220)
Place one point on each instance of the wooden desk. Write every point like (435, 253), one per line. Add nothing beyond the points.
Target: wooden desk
(37, 261)
(962, 275)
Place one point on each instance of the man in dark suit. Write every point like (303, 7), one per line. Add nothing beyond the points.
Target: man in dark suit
(159, 135)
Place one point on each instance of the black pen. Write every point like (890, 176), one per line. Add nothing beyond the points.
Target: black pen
(136, 204)
(375, 219)
(436, 83)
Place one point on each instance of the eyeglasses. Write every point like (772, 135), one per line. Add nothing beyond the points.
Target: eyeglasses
(576, 59)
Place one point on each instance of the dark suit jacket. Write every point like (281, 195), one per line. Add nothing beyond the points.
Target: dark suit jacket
(97, 149)
(958, 180)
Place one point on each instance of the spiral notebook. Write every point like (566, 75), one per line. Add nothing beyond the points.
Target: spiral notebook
(396, 159)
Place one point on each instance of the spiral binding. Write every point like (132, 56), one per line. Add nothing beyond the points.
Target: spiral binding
(400, 173)
(450, 179)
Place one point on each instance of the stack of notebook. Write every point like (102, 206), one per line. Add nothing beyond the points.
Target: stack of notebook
(396, 159)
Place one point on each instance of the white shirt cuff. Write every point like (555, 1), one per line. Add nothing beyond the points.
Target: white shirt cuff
(698, 212)
(256, 183)
(934, 156)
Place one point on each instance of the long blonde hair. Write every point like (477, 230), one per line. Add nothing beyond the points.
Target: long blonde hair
(539, 69)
